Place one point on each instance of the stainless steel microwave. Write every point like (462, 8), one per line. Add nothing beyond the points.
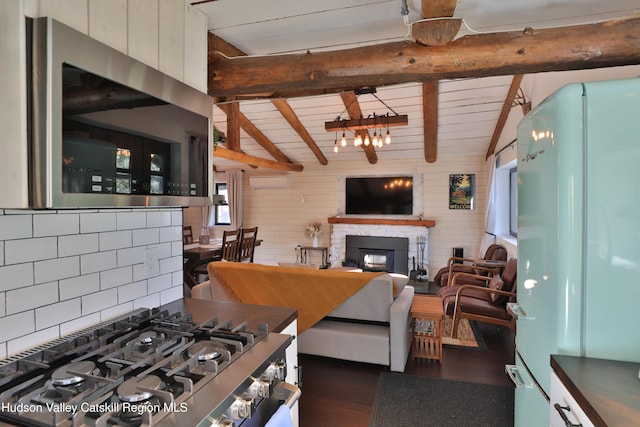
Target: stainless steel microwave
(109, 131)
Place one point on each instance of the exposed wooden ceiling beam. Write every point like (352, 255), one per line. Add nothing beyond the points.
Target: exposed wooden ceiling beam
(233, 126)
(291, 117)
(504, 113)
(430, 92)
(225, 153)
(256, 134)
(350, 101)
(610, 43)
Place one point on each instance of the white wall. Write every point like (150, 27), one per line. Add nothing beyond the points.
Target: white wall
(282, 214)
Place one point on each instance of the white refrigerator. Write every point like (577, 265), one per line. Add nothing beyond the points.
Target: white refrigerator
(578, 235)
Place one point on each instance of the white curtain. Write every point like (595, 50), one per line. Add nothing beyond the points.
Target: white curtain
(489, 237)
(207, 218)
(235, 191)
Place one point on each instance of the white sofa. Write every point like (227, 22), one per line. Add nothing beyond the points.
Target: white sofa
(371, 326)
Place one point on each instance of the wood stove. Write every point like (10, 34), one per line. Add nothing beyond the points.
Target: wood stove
(377, 253)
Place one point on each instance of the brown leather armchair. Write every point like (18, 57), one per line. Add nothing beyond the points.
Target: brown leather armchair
(487, 303)
(454, 265)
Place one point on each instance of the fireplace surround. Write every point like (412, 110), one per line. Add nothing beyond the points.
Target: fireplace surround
(378, 253)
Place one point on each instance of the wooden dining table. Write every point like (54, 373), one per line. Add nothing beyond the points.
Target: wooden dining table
(196, 253)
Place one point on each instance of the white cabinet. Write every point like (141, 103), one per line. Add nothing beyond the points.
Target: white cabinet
(292, 363)
(563, 404)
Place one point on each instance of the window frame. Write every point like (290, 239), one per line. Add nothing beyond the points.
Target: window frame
(221, 189)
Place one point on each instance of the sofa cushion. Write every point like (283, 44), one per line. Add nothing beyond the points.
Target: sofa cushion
(345, 340)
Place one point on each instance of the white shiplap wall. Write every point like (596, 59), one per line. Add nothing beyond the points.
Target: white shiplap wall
(283, 213)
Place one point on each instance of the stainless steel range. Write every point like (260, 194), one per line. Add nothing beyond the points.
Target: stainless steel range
(150, 368)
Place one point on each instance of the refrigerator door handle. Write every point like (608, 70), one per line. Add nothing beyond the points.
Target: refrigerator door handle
(512, 371)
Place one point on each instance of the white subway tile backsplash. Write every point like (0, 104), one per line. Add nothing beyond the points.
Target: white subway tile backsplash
(162, 250)
(177, 278)
(159, 283)
(16, 276)
(176, 217)
(146, 236)
(96, 222)
(31, 297)
(131, 220)
(132, 291)
(55, 314)
(130, 256)
(56, 269)
(20, 344)
(158, 219)
(65, 271)
(152, 300)
(98, 301)
(77, 244)
(169, 265)
(116, 277)
(176, 248)
(25, 250)
(79, 324)
(51, 224)
(115, 240)
(171, 294)
(139, 272)
(116, 311)
(170, 234)
(17, 325)
(16, 227)
(78, 286)
(100, 261)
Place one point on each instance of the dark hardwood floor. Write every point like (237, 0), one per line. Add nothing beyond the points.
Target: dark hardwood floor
(338, 393)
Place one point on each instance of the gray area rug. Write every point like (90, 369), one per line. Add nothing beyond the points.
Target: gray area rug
(410, 400)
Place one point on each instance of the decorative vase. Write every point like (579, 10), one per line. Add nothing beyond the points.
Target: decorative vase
(315, 242)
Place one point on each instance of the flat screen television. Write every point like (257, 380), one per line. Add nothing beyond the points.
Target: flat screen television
(389, 195)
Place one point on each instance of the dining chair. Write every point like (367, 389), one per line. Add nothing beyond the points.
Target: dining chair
(187, 235)
(248, 239)
(229, 251)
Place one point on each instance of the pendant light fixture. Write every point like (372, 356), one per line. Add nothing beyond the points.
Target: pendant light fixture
(362, 125)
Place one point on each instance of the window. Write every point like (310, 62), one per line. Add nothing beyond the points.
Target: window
(513, 202)
(222, 216)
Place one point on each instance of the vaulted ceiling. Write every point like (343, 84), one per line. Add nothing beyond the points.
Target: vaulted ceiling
(301, 60)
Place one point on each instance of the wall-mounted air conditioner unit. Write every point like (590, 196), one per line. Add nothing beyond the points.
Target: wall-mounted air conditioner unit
(269, 181)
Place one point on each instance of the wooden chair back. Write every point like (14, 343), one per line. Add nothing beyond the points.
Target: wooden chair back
(248, 239)
(187, 235)
(231, 244)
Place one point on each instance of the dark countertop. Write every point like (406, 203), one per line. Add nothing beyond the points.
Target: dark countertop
(607, 390)
(202, 310)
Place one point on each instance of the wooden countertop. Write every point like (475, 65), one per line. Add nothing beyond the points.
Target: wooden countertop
(202, 310)
(607, 390)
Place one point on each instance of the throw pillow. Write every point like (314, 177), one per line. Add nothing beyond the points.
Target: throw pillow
(497, 284)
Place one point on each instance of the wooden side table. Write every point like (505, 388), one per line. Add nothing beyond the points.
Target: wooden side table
(303, 255)
(427, 315)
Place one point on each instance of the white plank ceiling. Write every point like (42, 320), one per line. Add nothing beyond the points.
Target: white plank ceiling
(468, 108)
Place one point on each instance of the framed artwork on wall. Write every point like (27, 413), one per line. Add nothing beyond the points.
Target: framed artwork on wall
(462, 188)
